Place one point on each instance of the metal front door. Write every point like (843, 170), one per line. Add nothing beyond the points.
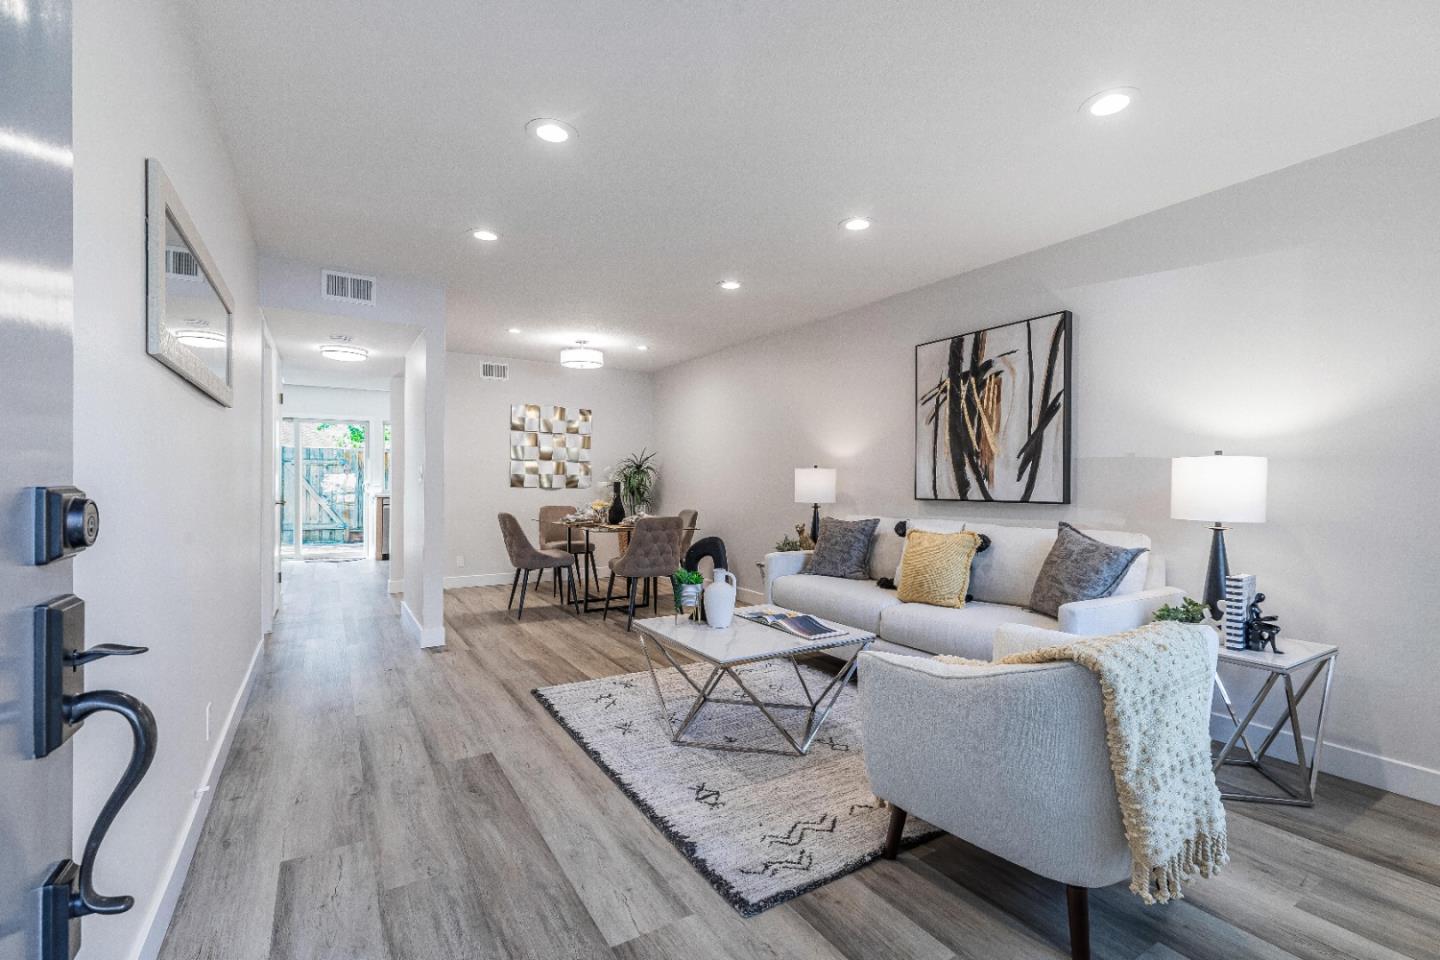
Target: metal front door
(36, 396)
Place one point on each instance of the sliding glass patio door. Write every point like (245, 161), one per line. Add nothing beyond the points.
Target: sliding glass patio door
(322, 471)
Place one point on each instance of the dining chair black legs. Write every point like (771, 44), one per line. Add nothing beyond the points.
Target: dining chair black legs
(524, 585)
(522, 581)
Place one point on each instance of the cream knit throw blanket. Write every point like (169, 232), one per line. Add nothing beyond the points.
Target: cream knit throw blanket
(1156, 684)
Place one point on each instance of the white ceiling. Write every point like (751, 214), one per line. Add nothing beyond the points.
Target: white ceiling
(729, 138)
(299, 337)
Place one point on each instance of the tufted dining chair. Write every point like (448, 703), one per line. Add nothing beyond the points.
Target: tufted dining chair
(527, 559)
(654, 552)
(554, 536)
(688, 519)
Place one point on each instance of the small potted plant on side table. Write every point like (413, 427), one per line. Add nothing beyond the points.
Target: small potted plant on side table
(689, 587)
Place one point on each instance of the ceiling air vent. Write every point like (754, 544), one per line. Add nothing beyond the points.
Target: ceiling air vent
(489, 370)
(180, 262)
(349, 287)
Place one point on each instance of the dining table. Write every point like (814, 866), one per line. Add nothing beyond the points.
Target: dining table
(589, 601)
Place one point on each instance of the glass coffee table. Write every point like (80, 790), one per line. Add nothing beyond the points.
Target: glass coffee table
(740, 644)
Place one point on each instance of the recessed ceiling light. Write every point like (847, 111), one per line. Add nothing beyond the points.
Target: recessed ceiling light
(489, 236)
(514, 329)
(581, 357)
(728, 284)
(1109, 102)
(551, 131)
(344, 354)
(856, 224)
(200, 337)
(642, 347)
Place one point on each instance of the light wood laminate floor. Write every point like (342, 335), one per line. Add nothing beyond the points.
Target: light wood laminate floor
(386, 802)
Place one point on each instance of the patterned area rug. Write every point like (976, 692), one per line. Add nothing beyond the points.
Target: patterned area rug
(761, 828)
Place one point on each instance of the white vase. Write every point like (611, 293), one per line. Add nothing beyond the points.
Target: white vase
(720, 599)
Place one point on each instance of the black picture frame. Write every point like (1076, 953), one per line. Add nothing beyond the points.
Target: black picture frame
(968, 481)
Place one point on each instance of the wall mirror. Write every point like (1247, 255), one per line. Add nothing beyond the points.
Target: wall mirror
(188, 309)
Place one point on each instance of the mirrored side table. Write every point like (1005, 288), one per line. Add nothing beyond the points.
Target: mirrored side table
(1298, 658)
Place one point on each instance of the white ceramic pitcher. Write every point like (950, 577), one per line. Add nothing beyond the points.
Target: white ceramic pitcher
(720, 599)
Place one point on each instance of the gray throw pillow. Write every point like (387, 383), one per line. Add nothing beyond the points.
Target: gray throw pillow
(1079, 567)
(843, 549)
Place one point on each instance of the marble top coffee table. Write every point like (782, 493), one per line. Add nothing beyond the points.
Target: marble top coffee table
(746, 642)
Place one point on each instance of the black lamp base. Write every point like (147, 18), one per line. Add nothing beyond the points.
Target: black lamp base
(1216, 572)
(815, 524)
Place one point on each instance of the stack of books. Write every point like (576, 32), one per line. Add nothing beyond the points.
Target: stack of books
(1239, 594)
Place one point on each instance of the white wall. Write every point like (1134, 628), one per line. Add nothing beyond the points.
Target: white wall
(307, 401)
(418, 550)
(268, 480)
(477, 461)
(1293, 316)
(177, 476)
(396, 583)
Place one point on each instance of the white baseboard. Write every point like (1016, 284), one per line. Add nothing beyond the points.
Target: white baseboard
(395, 586)
(424, 636)
(1352, 763)
(173, 878)
(752, 596)
(480, 580)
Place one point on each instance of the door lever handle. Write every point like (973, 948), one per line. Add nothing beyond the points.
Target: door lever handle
(85, 900)
(100, 651)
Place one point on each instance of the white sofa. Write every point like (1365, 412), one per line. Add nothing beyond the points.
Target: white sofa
(1000, 582)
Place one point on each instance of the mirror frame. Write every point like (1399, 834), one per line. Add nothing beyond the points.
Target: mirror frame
(162, 203)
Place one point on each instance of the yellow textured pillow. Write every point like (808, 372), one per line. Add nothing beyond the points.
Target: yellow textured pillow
(936, 567)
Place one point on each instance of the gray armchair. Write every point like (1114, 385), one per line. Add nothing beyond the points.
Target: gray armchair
(1012, 759)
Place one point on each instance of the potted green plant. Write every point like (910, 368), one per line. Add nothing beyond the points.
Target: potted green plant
(637, 475)
(689, 585)
(1189, 611)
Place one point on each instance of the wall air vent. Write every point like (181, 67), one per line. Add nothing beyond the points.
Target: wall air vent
(490, 370)
(349, 287)
(180, 262)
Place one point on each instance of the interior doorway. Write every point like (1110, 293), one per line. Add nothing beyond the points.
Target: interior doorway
(322, 472)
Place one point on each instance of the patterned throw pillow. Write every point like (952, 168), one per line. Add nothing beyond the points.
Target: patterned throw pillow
(936, 567)
(843, 549)
(1079, 567)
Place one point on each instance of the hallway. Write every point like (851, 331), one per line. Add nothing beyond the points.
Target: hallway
(391, 803)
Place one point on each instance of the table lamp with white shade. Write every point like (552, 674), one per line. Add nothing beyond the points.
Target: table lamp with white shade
(815, 485)
(1222, 490)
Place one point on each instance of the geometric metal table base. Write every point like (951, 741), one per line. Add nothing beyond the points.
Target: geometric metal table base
(816, 708)
(1310, 769)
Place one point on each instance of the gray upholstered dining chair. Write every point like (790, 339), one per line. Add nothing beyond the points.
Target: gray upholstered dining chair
(527, 560)
(654, 552)
(554, 536)
(688, 519)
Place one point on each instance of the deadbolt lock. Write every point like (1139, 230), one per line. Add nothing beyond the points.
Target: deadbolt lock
(66, 522)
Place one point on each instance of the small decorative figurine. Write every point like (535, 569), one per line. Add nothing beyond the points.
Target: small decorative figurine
(1261, 631)
(803, 536)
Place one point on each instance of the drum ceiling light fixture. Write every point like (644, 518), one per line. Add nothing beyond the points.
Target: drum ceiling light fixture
(581, 357)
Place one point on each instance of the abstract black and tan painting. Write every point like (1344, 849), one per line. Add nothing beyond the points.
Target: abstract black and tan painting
(992, 414)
